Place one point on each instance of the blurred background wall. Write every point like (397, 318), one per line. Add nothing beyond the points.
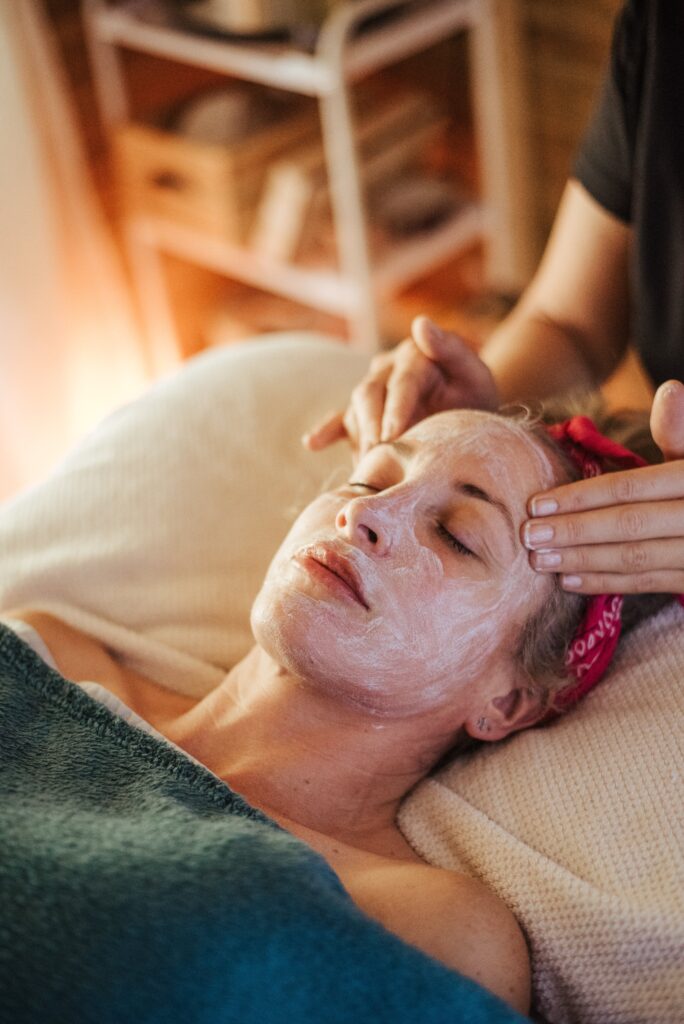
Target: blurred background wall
(71, 344)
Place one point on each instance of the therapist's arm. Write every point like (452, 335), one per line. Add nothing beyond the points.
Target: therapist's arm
(571, 327)
(568, 331)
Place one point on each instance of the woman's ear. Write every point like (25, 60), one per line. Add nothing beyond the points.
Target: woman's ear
(500, 716)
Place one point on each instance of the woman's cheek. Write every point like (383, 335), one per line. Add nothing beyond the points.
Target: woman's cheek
(452, 628)
(317, 520)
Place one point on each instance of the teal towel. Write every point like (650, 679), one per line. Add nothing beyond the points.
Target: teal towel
(137, 888)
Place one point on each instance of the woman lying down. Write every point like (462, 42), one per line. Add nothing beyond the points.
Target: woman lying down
(399, 617)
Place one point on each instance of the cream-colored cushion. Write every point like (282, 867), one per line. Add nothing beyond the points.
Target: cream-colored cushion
(155, 532)
(579, 827)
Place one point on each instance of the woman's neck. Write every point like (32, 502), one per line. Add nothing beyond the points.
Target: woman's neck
(307, 760)
(304, 758)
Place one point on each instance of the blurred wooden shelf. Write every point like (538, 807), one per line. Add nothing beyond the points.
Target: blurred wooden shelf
(356, 39)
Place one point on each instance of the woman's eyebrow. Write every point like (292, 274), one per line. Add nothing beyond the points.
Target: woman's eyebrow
(405, 450)
(473, 491)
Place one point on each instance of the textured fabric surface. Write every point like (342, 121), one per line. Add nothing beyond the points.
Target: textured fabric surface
(136, 887)
(579, 828)
(154, 534)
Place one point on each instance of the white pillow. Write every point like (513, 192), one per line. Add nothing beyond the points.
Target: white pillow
(579, 828)
(155, 532)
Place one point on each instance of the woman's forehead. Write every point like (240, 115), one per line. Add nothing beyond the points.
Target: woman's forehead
(500, 444)
(457, 425)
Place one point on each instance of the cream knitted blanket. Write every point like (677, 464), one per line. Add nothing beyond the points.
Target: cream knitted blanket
(579, 827)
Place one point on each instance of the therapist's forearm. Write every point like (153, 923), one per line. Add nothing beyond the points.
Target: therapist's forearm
(531, 357)
(570, 328)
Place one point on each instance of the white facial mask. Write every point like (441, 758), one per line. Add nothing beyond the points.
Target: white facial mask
(436, 621)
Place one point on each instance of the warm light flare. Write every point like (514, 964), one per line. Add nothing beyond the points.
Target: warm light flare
(70, 348)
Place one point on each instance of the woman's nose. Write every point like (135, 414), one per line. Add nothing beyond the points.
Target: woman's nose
(363, 525)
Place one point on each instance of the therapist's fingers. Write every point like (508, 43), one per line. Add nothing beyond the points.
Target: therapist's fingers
(631, 522)
(619, 532)
(465, 380)
(367, 403)
(667, 419)
(434, 370)
(410, 380)
(351, 427)
(326, 432)
(338, 426)
(666, 581)
(631, 558)
(651, 483)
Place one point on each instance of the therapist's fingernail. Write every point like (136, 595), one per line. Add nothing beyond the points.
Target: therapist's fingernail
(534, 534)
(543, 506)
(571, 582)
(547, 559)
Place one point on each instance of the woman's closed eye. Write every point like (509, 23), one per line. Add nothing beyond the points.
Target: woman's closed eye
(454, 542)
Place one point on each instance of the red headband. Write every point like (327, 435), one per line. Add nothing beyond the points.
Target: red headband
(593, 646)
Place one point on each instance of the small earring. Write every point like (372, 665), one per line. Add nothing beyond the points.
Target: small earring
(482, 725)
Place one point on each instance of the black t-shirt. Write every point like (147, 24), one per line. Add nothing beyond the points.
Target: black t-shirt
(632, 162)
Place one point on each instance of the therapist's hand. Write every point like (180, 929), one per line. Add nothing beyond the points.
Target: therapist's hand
(430, 372)
(622, 533)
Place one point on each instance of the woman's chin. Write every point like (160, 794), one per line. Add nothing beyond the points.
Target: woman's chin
(280, 630)
(291, 623)
(347, 671)
(261, 623)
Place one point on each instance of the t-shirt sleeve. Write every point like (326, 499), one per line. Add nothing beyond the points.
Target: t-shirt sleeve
(604, 163)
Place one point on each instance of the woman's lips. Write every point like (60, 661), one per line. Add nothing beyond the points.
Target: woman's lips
(336, 565)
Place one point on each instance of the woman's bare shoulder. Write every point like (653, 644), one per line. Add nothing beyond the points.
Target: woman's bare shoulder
(62, 640)
(83, 658)
(453, 918)
(78, 657)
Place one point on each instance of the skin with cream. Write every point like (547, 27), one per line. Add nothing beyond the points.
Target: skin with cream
(437, 584)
